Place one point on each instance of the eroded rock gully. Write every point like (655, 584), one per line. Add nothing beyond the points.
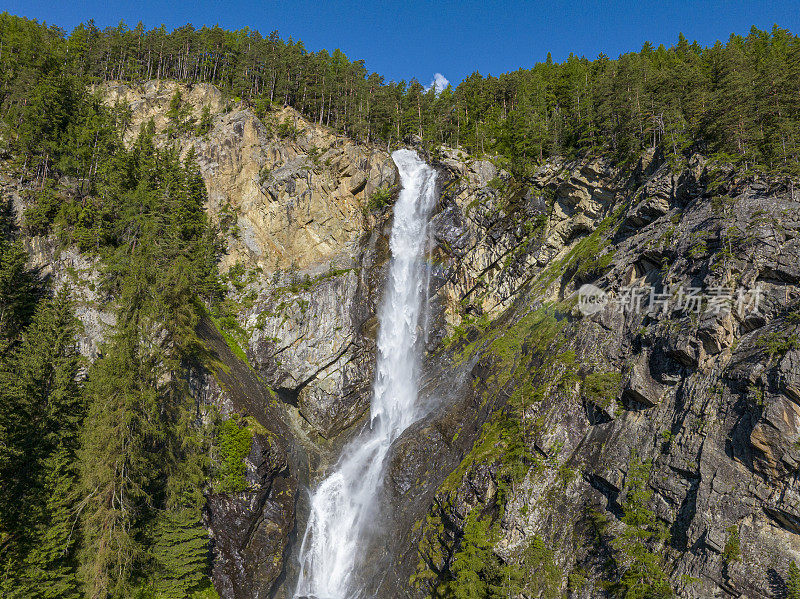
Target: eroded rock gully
(711, 402)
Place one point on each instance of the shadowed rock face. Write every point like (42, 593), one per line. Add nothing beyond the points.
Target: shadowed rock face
(251, 530)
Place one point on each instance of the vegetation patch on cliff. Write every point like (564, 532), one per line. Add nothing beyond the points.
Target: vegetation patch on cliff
(233, 441)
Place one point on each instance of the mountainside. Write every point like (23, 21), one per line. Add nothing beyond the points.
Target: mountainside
(189, 286)
(627, 449)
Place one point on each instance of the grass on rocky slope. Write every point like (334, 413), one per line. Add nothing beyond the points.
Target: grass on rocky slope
(529, 360)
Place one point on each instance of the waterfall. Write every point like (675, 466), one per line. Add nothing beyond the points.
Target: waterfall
(341, 507)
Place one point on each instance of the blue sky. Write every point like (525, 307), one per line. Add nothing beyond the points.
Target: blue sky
(405, 39)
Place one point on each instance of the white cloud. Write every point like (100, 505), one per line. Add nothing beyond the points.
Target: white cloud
(439, 83)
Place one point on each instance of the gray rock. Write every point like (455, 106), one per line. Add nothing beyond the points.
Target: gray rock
(641, 387)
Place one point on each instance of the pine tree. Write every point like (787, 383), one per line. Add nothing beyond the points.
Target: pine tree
(116, 464)
(143, 459)
(538, 571)
(181, 552)
(793, 582)
(180, 542)
(471, 559)
(179, 115)
(641, 567)
(52, 562)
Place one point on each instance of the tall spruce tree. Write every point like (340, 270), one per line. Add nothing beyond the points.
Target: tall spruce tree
(43, 410)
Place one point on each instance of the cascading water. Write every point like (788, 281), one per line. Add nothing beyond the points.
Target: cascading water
(341, 506)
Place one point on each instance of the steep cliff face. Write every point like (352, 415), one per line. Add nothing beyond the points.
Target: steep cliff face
(546, 422)
(294, 190)
(697, 408)
(293, 198)
(251, 530)
(64, 267)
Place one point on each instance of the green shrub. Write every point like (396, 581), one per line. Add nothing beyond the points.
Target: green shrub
(722, 203)
(779, 343)
(601, 388)
(590, 257)
(39, 216)
(576, 580)
(474, 556)
(264, 175)
(207, 593)
(287, 130)
(235, 336)
(732, 552)
(495, 183)
(262, 107)
(206, 121)
(699, 246)
(179, 116)
(379, 199)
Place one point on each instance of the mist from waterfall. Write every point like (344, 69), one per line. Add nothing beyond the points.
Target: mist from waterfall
(342, 506)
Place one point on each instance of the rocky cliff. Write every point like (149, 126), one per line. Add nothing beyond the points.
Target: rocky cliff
(547, 418)
(293, 198)
(691, 403)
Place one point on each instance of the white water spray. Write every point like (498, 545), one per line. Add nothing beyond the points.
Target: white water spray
(342, 505)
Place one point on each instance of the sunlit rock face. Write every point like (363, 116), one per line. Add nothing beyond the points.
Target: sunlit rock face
(291, 199)
(294, 190)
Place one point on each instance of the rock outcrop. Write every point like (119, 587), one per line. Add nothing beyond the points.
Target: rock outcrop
(292, 199)
(250, 530)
